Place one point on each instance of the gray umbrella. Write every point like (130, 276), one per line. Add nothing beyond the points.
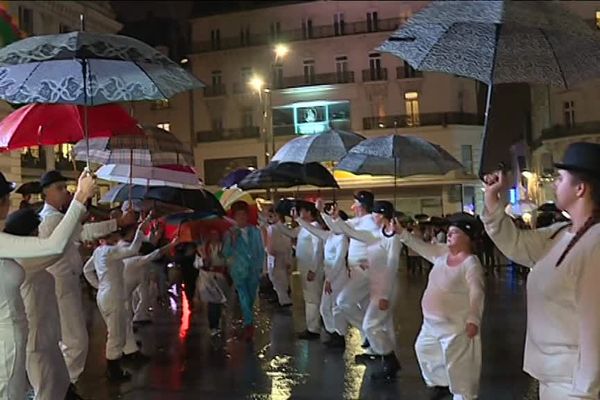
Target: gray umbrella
(331, 145)
(398, 156)
(500, 42)
(88, 69)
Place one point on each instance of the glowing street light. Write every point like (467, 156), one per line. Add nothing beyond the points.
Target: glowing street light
(257, 83)
(281, 50)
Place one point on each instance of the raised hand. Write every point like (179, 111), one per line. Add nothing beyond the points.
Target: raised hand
(495, 183)
(472, 330)
(320, 205)
(86, 186)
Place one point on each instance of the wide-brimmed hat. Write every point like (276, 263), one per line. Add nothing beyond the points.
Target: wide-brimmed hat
(581, 157)
(5, 186)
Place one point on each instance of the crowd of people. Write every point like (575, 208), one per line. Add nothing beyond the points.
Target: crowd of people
(348, 270)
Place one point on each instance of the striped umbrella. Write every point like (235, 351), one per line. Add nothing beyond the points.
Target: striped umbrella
(157, 147)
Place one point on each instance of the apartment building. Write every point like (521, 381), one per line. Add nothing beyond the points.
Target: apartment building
(329, 75)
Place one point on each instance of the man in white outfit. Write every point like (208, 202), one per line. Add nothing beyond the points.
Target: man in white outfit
(67, 270)
(279, 255)
(309, 258)
(354, 297)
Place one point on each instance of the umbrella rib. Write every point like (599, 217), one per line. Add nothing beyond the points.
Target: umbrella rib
(29, 76)
(562, 74)
(151, 80)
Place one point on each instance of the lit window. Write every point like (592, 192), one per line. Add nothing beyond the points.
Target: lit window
(164, 125)
(411, 100)
(598, 19)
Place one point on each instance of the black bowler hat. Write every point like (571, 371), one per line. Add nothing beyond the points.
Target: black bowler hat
(467, 223)
(22, 222)
(5, 186)
(384, 208)
(51, 177)
(365, 198)
(582, 157)
(304, 205)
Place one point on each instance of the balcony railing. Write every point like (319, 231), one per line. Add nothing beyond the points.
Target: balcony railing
(250, 132)
(408, 73)
(583, 128)
(331, 78)
(317, 32)
(374, 75)
(214, 91)
(431, 119)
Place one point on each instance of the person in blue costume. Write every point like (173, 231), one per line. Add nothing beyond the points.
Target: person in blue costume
(244, 253)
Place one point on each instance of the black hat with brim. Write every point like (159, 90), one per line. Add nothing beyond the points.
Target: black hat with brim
(582, 157)
(365, 198)
(467, 223)
(384, 208)
(22, 222)
(51, 177)
(5, 186)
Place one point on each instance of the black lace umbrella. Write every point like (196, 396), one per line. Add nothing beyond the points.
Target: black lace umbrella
(496, 42)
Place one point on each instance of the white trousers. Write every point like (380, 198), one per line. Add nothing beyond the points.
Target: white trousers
(113, 313)
(558, 391)
(447, 358)
(130, 344)
(329, 303)
(13, 379)
(312, 300)
(74, 334)
(48, 374)
(353, 299)
(278, 274)
(378, 325)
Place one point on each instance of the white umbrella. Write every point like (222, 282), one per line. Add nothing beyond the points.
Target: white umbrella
(148, 176)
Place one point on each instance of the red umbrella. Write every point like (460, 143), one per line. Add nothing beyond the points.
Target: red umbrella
(50, 124)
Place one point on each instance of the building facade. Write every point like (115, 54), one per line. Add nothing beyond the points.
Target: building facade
(330, 76)
(41, 18)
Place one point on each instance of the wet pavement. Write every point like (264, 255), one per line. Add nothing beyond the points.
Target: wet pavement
(188, 364)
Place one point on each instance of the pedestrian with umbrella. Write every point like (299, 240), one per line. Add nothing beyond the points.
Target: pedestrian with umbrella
(449, 344)
(244, 253)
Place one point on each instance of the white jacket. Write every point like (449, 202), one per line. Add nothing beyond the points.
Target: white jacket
(357, 250)
(563, 318)
(71, 262)
(309, 249)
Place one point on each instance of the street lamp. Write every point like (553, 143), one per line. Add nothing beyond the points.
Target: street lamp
(280, 51)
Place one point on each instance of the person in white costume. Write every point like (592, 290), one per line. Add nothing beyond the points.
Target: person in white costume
(353, 299)
(108, 262)
(383, 253)
(309, 259)
(279, 256)
(449, 344)
(562, 347)
(336, 277)
(45, 364)
(13, 321)
(67, 270)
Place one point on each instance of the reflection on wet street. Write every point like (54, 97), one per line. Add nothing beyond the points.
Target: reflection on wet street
(188, 364)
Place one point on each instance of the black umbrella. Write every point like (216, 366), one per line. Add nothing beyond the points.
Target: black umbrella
(267, 178)
(497, 42)
(313, 174)
(328, 146)
(29, 188)
(123, 192)
(198, 200)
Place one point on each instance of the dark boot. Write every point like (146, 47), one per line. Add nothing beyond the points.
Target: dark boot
(365, 344)
(335, 341)
(365, 358)
(115, 372)
(388, 368)
(137, 357)
(439, 393)
(308, 335)
(72, 393)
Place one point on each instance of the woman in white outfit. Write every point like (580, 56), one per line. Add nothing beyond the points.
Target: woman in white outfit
(13, 322)
(562, 347)
(336, 277)
(449, 345)
(108, 262)
(279, 256)
(384, 257)
(309, 258)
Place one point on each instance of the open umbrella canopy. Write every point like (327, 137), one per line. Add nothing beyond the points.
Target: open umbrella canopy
(500, 42)
(235, 177)
(328, 146)
(198, 200)
(148, 176)
(88, 69)
(194, 226)
(267, 178)
(120, 193)
(312, 173)
(398, 155)
(50, 124)
(156, 147)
